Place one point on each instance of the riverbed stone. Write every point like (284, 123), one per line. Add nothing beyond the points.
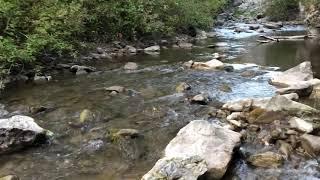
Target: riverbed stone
(86, 116)
(311, 144)
(132, 133)
(298, 79)
(182, 87)
(19, 132)
(155, 48)
(9, 177)
(189, 168)
(185, 45)
(131, 66)
(78, 68)
(211, 142)
(131, 49)
(301, 72)
(201, 99)
(209, 65)
(277, 103)
(301, 125)
(273, 25)
(117, 89)
(266, 160)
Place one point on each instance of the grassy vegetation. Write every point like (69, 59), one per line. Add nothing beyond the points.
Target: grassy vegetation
(282, 10)
(31, 29)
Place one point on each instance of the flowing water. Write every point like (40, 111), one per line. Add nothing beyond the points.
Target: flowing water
(151, 106)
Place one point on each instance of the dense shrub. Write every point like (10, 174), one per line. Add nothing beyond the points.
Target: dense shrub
(282, 10)
(33, 28)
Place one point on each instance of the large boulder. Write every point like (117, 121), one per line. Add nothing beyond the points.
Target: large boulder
(298, 80)
(19, 132)
(276, 103)
(209, 141)
(177, 168)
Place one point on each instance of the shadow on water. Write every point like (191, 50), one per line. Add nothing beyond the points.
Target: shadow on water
(150, 106)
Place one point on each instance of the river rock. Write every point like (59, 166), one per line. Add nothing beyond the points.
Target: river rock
(301, 125)
(211, 34)
(117, 89)
(272, 25)
(10, 177)
(86, 116)
(235, 116)
(266, 160)
(302, 72)
(315, 92)
(201, 99)
(185, 45)
(298, 79)
(132, 133)
(19, 132)
(311, 144)
(131, 49)
(155, 48)
(261, 116)
(209, 65)
(211, 142)
(82, 69)
(182, 87)
(130, 66)
(254, 27)
(189, 168)
(276, 103)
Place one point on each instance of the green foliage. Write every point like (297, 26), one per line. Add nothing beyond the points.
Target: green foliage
(32, 28)
(281, 10)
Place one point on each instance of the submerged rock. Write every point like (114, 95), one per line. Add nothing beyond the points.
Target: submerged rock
(10, 177)
(117, 89)
(130, 66)
(189, 168)
(211, 142)
(82, 69)
(132, 133)
(182, 87)
(273, 25)
(301, 125)
(209, 65)
(155, 48)
(19, 132)
(86, 116)
(185, 45)
(266, 160)
(201, 99)
(311, 144)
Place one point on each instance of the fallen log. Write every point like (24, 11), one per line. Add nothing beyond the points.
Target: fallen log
(284, 38)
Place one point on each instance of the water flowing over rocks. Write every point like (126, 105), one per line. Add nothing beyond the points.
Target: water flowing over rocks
(19, 132)
(210, 142)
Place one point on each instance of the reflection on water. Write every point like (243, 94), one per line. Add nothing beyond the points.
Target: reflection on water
(150, 106)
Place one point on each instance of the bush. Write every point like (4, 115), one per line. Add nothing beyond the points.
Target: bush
(282, 10)
(30, 29)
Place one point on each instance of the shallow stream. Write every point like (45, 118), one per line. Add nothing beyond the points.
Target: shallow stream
(151, 106)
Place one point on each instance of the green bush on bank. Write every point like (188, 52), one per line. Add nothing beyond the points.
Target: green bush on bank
(30, 29)
(282, 10)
